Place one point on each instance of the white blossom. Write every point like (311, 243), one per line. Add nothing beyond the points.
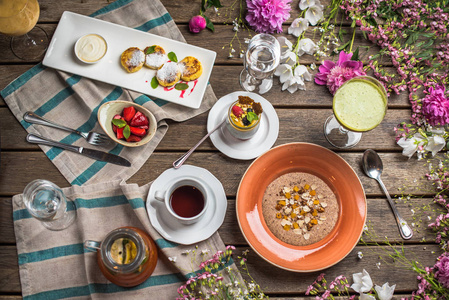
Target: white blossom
(410, 146)
(284, 72)
(304, 4)
(385, 292)
(314, 13)
(286, 46)
(289, 59)
(434, 144)
(362, 282)
(306, 46)
(298, 26)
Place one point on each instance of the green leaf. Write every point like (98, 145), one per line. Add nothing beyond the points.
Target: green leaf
(355, 54)
(251, 116)
(209, 24)
(154, 82)
(344, 46)
(172, 56)
(181, 86)
(214, 3)
(150, 50)
(119, 123)
(126, 132)
(412, 38)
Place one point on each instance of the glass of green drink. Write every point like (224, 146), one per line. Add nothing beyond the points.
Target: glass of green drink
(359, 105)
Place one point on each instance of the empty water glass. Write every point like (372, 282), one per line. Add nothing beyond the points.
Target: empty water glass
(46, 202)
(261, 59)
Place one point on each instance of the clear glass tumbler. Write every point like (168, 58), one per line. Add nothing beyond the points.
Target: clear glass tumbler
(261, 60)
(46, 202)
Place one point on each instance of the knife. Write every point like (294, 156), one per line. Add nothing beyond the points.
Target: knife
(92, 153)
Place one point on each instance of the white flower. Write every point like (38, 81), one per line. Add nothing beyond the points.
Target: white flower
(304, 4)
(360, 254)
(314, 13)
(434, 144)
(378, 265)
(284, 72)
(366, 297)
(286, 46)
(410, 146)
(362, 282)
(302, 72)
(289, 59)
(298, 26)
(306, 46)
(173, 259)
(385, 292)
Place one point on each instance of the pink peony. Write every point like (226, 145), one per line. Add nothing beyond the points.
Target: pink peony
(197, 23)
(334, 75)
(267, 16)
(435, 106)
(442, 270)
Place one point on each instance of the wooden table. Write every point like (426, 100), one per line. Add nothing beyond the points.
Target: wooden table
(301, 116)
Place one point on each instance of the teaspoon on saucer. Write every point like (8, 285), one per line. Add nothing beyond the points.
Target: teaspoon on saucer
(373, 167)
(180, 161)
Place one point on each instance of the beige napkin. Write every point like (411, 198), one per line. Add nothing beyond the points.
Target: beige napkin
(54, 265)
(74, 101)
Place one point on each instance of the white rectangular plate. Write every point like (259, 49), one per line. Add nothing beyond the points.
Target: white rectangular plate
(60, 55)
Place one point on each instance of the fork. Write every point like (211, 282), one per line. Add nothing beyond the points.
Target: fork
(91, 137)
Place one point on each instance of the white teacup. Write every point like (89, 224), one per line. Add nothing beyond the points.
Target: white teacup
(186, 199)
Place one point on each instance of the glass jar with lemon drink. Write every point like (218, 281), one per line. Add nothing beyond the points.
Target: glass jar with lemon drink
(359, 105)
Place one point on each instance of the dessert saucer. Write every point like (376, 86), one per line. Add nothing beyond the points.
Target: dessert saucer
(243, 149)
(169, 227)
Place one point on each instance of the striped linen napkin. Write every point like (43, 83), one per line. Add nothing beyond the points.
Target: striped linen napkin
(54, 264)
(73, 101)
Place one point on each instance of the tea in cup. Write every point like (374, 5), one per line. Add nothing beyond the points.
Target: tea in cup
(186, 200)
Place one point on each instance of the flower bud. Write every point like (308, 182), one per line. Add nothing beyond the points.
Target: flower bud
(197, 23)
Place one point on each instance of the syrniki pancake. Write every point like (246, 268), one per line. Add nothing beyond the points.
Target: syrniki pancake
(191, 68)
(168, 74)
(156, 58)
(132, 59)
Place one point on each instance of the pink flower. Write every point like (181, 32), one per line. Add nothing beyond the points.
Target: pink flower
(197, 23)
(334, 75)
(267, 16)
(442, 270)
(435, 106)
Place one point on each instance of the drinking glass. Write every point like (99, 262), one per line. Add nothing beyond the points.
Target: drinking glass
(261, 59)
(46, 202)
(359, 105)
(18, 19)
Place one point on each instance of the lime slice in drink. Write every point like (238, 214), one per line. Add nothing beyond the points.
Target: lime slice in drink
(359, 105)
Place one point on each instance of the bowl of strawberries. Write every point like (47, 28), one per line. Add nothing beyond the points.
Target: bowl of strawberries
(127, 123)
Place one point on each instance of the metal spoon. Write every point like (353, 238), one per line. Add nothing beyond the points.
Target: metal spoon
(180, 161)
(372, 165)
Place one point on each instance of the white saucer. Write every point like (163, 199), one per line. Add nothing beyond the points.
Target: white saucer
(262, 141)
(168, 226)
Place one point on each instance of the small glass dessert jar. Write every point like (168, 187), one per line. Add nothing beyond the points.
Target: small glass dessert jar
(244, 118)
(127, 256)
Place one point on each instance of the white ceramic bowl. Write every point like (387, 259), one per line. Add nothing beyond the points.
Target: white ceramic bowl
(93, 44)
(108, 110)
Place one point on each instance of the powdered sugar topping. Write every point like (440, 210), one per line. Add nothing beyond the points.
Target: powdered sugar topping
(155, 60)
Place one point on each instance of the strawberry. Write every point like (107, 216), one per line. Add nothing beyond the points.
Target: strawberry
(120, 133)
(137, 131)
(128, 113)
(237, 111)
(144, 127)
(117, 116)
(139, 119)
(133, 138)
(114, 128)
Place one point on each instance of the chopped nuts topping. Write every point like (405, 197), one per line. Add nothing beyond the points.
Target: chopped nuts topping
(300, 208)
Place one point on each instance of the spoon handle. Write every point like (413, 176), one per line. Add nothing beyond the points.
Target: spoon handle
(180, 161)
(405, 230)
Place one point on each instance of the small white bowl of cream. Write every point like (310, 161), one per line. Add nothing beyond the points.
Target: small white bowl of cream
(90, 48)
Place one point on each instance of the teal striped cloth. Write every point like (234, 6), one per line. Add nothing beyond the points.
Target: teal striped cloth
(54, 264)
(73, 101)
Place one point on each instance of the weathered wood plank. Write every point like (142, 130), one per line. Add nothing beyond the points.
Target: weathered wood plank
(278, 281)
(296, 125)
(22, 167)
(380, 218)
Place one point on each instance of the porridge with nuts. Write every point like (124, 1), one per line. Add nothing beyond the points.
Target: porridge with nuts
(299, 208)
